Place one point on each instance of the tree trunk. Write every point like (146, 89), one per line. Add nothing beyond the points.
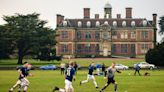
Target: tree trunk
(20, 57)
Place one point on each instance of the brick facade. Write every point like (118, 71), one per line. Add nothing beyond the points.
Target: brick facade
(105, 37)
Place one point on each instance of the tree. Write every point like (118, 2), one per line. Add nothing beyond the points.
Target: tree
(46, 43)
(155, 55)
(6, 47)
(28, 34)
(161, 25)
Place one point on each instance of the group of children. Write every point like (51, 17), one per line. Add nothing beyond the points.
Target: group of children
(70, 75)
(109, 75)
(23, 82)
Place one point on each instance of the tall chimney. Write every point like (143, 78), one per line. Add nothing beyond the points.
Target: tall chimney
(86, 13)
(118, 16)
(154, 19)
(59, 19)
(128, 12)
(96, 16)
(155, 28)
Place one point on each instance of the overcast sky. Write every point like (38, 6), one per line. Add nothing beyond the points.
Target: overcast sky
(74, 8)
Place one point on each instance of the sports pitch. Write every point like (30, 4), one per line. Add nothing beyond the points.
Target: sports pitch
(44, 81)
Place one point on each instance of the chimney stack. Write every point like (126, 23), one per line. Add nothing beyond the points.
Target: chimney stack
(128, 12)
(118, 16)
(59, 19)
(86, 13)
(96, 16)
(155, 28)
(154, 19)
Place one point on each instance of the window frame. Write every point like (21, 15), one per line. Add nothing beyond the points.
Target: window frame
(133, 35)
(64, 34)
(64, 48)
(78, 35)
(144, 34)
(97, 35)
(124, 48)
(88, 35)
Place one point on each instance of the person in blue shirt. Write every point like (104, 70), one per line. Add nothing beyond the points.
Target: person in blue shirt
(90, 76)
(22, 80)
(98, 67)
(69, 76)
(137, 69)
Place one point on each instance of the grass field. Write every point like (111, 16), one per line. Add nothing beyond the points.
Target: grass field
(83, 62)
(43, 81)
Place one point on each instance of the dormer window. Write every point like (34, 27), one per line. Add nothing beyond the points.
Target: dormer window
(114, 24)
(144, 22)
(97, 23)
(106, 22)
(133, 23)
(88, 24)
(124, 24)
(79, 24)
(65, 23)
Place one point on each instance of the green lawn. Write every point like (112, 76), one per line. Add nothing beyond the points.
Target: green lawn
(43, 81)
(83, 62)
(13, 62)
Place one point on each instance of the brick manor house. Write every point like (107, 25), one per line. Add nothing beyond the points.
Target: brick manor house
(105, 37)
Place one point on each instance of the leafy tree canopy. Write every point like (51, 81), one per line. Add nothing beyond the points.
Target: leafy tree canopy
(28, 34)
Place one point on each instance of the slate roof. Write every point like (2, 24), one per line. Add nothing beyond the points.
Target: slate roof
(138, 22)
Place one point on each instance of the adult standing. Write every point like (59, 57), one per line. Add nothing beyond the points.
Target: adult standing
(103, 68)
(62, 68)
(137, 69)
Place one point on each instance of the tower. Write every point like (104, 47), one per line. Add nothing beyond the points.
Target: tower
(107, 11)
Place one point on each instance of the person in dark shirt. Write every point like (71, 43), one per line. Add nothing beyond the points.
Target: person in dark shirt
(137, 69)
(66, 66)
(103, 68)
(75, 67)
(110, 76)
(69, 76)
(90, 76)
(22, 81)
(24, 72)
